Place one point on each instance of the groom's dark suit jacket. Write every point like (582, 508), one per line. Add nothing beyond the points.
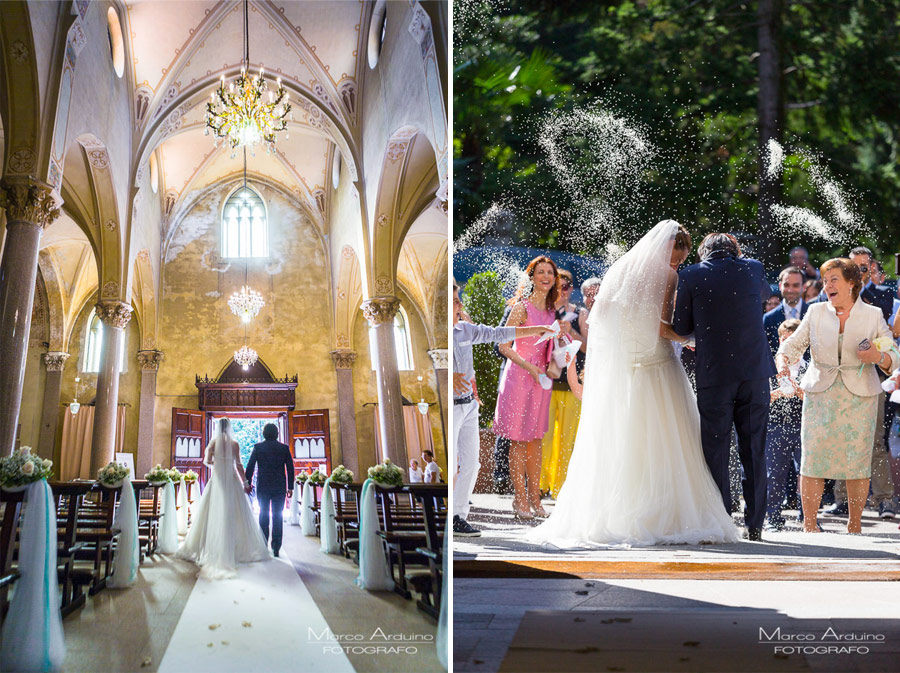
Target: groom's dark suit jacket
(719, 302)
(276, 467)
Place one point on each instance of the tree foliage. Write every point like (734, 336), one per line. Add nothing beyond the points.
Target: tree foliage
(688, 71)
(483, 301)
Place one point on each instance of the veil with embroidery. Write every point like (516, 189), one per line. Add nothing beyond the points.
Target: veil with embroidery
(224, 531)
(637, 474)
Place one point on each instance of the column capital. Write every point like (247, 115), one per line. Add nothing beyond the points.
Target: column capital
(380, 310)
(28, 200)
(149, 360)
(114, 313)
(439, 357)
(343, 358)
(55, 360)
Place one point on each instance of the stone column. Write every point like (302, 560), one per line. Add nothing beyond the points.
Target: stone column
(115, 316)
(439, 360)
(55, 361)
(343, 366)
(30, 206)
(380, 312)
(149, 361)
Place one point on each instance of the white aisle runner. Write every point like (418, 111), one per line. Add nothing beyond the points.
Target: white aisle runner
(261, 619)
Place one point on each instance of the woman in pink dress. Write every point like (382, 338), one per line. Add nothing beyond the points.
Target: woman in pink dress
(522, 403)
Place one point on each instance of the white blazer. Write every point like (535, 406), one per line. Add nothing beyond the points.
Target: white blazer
(819, 331)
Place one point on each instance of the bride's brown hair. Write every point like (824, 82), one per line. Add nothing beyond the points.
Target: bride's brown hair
(682, 238)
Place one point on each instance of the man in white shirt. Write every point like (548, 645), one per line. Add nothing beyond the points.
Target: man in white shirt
(432, 469)
(792, 306)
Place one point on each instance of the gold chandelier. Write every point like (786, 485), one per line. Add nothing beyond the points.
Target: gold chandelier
(241, 112)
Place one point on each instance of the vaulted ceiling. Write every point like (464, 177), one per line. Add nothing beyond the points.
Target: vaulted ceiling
(181, 49)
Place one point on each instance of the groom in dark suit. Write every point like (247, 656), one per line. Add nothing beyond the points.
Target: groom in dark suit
(274, 482)
(718, 302)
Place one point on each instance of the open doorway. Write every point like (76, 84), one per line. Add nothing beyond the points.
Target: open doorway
(248, 430)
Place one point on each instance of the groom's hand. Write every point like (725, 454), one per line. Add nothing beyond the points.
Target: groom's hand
(290, 494)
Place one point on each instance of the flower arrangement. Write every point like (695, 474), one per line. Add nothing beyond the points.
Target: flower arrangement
(23, 467)
(174, 475)
(158, 474)
(112, 474)
(341, 475)
(301, 477)
(191, 477)
(386, 474)
(882, 345)
(316, 478)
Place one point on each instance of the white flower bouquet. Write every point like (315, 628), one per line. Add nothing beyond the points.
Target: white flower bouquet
(301, 477)
(112, 474)
(158, 475)
(316, 478)
(341, 475)
(174, 475)
(22, 468)
(882, 345)
(386, 474)
(191, 477)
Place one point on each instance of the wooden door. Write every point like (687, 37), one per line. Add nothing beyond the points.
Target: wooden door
(309, 436)
(189, 441)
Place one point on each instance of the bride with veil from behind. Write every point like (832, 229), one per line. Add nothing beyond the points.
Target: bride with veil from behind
(637, 475)
(224, 531)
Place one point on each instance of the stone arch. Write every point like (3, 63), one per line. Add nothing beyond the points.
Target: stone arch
(56, 300)
(113, 272)
(407, 185)
(348, 297)
(144, 299)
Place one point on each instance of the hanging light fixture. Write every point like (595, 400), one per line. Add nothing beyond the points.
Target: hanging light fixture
(75, 405)
(246, 357)
(243, 113)
(422, 404)
(246, 303)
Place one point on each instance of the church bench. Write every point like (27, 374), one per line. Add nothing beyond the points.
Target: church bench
(433, 498)
(95, 529)
(148, 516)
(12, 508)
(346, 515)
(68, 497)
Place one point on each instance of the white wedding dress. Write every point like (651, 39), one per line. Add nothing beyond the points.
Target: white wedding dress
(224, 530)
(637, 475)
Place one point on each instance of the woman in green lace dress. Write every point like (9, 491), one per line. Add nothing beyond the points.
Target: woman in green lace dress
(841, 390)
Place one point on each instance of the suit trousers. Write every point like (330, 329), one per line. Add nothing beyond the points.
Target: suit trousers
(882, 482)
(466, 444)
(744, 405)
(275, 502)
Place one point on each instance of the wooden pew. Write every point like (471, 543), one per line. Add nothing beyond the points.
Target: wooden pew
(12, 508)
(148, 517)
(95, 530)
(346, 515)
(68, 497)
(403, 531)
(433, 498)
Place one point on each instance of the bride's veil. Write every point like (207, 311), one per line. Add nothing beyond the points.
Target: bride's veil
(222, 440)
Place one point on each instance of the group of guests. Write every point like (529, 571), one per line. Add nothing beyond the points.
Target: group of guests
(829, 419)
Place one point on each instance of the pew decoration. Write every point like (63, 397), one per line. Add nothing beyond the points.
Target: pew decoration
(341, 475)
(329, 539)
(294, 516)
(386, 474)
(442, 644)
(168, 525)
(182, 505)
(128, 550)
(23, 468)
(32, 637)
(191, 477)
(113, 475)
(158, 476)
(316, 478)
(374, 574)
(307, 515)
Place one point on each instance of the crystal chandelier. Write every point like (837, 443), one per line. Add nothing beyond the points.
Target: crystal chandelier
(246, 357)
(241, 112)
(246, 303)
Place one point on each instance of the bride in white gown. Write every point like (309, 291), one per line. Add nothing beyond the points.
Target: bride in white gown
(637, 475)
(224, 531)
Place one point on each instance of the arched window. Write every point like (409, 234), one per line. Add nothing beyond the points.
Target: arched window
(116, 43)
(93, 344)
(402, 342)
(377, 31)
(244, 231)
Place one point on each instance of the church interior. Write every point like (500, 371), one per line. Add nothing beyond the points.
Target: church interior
(164, 267)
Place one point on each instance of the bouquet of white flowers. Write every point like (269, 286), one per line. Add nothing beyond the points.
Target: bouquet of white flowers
(158, 475)
(386, 474)
(23, 467)
(174, 475)
(112, 474)
(341, 475)
(316, 478)
(301, 477)
(191, 477)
